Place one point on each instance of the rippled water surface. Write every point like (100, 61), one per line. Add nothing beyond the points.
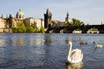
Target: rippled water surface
(48, 51)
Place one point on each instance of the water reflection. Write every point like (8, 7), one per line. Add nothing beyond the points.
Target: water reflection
(75, 66)
(38, 40)
(48, 40)
(15, 41)
(20, 42)
(2, 43)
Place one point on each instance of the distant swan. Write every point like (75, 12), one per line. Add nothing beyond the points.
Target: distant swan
(97, 45)
(75, 55)
(83, 43)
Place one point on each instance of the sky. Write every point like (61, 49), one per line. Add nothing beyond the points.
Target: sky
(88, 11)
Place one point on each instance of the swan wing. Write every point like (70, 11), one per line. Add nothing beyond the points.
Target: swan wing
(76, 56)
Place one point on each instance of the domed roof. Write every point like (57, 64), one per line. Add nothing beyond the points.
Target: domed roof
(20, 13)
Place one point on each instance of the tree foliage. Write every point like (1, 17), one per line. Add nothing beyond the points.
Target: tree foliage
(76, 22)
(42, 29)
(21, 27)
(35, 27)
(10, 20)
(14, 29)
(25, 27)
(31, 28)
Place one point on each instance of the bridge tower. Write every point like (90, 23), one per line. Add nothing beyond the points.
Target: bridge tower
(67, 19)
(47, 18)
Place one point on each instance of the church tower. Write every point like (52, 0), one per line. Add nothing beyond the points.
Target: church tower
(47, 18)
(20, 15)
(67, 20)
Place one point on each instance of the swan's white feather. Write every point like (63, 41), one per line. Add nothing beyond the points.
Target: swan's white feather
(75, 56)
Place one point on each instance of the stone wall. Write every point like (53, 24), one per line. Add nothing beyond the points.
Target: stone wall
(77, 32)
(92, 32)
(5, 30)
(1, 30)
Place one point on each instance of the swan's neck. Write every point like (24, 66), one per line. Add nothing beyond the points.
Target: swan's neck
(70, 49)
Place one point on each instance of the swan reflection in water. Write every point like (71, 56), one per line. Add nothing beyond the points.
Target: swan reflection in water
(75, 66)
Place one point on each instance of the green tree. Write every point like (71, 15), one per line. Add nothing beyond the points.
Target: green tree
(76, 22)
(14, 29)
(35, 27)
(21, 27)
(42, 29)
(10, 20)
(29, 29)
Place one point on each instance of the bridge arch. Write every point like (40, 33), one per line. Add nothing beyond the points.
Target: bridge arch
(93, 31)
(77, 31)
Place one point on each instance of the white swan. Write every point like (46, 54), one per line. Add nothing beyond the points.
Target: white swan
(97, 45)
(75, 55)
(83, 43)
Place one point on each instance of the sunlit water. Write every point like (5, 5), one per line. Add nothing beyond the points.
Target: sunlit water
(48, 51)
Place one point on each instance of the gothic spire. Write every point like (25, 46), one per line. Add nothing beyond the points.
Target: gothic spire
(67, 14)
(67, 18)
(47, 10)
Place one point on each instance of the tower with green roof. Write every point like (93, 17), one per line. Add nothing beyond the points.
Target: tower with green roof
(20, 15)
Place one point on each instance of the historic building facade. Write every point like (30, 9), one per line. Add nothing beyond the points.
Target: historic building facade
(4, 26)
(39, 22)
(48, 22)
(2, 23)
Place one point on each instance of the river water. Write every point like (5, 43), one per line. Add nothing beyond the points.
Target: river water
(48, 51)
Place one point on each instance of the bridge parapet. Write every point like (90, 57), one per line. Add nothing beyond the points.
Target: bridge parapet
(71, 28)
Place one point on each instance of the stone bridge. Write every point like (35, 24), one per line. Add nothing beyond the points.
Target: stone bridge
(84, 28)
